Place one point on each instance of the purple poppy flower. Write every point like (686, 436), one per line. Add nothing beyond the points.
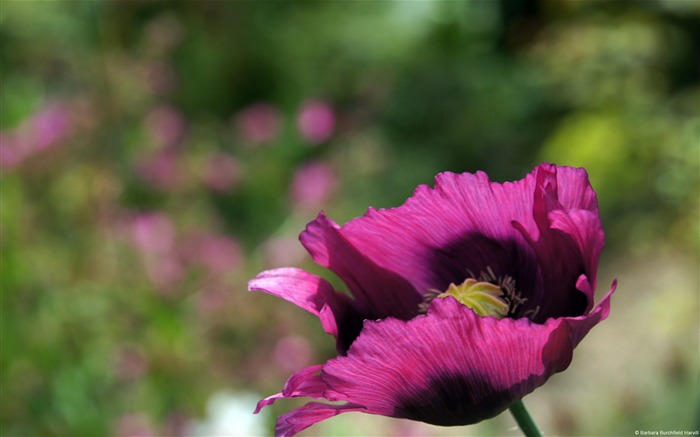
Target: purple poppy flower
(463, 300)
(316, 121)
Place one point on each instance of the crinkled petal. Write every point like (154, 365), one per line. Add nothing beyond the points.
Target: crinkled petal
(452, 367)
(579, 326)
(440, 233)
(306, 382)
(567, 242)
(297, 420)
(467, 223)
(314, 294)
(586, 231)
(379, 292)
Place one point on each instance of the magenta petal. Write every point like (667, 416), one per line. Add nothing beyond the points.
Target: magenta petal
(305, 382)
(314, 294)
(379, 292)
(567, 239)
(586, 231)
(301, 288)
(574, 189)
(579, 326)
(451, 367)
(297, 420)
(466, 223)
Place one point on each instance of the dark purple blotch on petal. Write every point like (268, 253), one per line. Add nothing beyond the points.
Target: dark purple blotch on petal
(456, 399)
(349, 327)
(447, 401)
(474, 253)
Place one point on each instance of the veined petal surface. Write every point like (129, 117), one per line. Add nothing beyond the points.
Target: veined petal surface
(538, 239)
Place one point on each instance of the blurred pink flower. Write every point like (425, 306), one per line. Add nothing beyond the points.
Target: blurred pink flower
(10, 154)
(313, 184)
(50, 125)
(316, 121)
(293, 353)
(221, 172)
(166, 125)
(177, 425)
(164, 272)
(218, 254)
(211, 299)
(282, 251)
(134, 425)
(259, 123)
(43, 130)
(161, 170)
(161, 77)
(154, 235)
(131, 363)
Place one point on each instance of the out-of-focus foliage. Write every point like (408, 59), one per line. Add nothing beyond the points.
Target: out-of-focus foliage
(155, 156)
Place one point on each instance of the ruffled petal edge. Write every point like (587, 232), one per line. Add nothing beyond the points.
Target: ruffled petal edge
(335, 310)
(297, 420)
(449, 367)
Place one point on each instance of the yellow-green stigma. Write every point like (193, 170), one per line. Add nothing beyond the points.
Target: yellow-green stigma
(485, 298)
(489, 295)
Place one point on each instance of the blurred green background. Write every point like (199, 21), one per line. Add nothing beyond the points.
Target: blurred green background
(156, 155)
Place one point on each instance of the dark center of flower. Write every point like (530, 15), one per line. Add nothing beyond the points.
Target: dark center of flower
(487, 295)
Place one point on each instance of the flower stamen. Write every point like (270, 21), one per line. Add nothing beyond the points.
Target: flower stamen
(489, 295)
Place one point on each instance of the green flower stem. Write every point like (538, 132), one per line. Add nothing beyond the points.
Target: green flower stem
(525, 422)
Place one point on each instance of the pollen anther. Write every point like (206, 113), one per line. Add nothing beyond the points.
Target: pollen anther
(489, 295)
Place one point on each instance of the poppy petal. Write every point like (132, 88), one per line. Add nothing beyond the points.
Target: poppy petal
(316, 295)
(297, 420)
(440, 233)
(379, 292)
(579, 326)
(466, 224)
(567, 242)
(306, 382)
(451, 367)
(586, 231)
